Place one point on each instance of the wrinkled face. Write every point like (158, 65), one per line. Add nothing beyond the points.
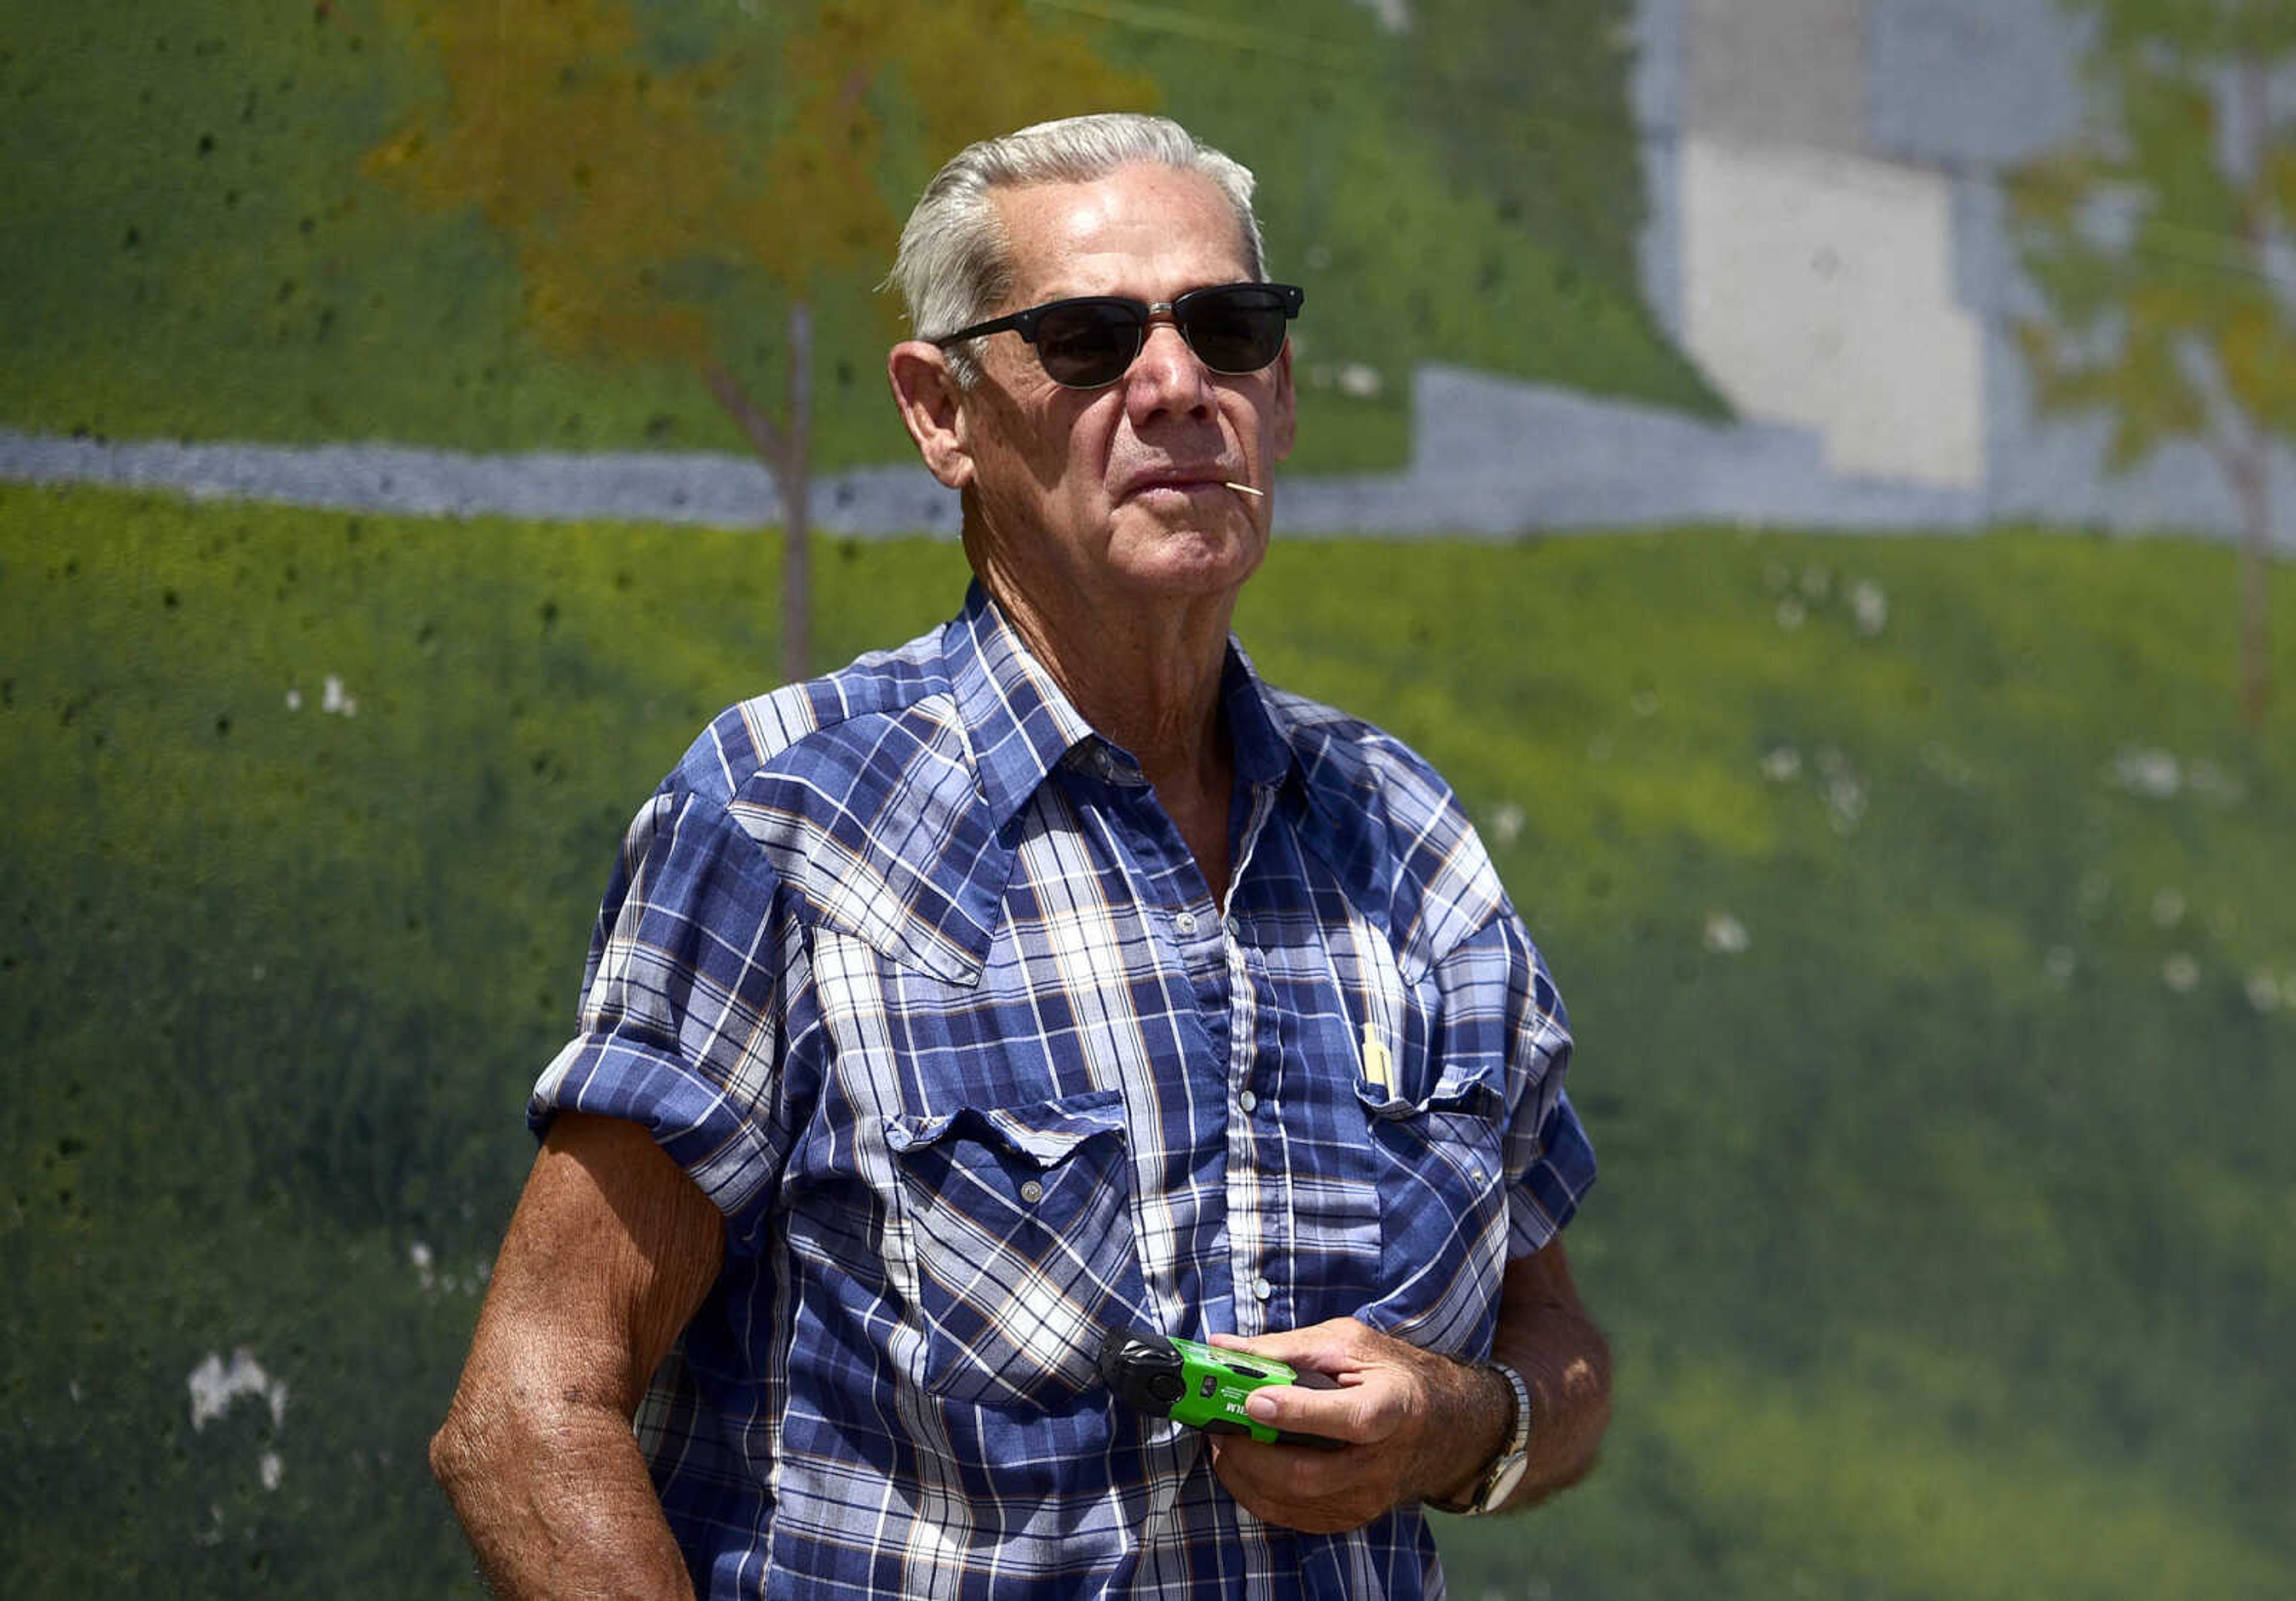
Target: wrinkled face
(1120, 493)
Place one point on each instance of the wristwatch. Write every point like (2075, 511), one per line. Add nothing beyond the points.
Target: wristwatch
(1505, 1470)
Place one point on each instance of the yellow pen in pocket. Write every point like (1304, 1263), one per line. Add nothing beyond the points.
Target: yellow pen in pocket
(1377, 1065)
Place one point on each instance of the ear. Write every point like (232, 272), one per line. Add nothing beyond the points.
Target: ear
(932, 409)
(1287, 405)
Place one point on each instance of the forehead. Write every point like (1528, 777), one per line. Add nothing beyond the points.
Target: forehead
(1147, 231)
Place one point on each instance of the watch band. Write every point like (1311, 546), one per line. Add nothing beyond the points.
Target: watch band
(1505, 1471)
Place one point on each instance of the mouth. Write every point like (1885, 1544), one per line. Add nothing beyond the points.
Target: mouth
(1190, 484)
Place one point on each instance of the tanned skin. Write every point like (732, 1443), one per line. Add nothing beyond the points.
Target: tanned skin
(609, 1252)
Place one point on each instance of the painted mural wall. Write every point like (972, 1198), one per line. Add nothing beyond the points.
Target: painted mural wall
(403, 409)
(1825, 232)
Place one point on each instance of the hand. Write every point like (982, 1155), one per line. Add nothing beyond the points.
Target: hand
(1417, 1425)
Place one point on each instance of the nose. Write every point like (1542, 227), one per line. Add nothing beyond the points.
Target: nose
(1167, 379)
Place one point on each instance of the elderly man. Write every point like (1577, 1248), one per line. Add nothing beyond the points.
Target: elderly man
(1048, 976)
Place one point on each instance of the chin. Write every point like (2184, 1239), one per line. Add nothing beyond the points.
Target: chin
(1191, 560)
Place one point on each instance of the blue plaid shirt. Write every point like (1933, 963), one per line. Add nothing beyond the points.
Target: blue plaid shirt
(910, 972)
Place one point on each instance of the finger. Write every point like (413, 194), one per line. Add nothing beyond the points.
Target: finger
(1313, 1491)
(1360, 1413)
(1328, 1347)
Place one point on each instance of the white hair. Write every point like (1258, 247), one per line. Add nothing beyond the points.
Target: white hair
(955, 267)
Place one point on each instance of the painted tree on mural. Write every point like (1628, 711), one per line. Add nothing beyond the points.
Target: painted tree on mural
(2160, 239)
(636, 179)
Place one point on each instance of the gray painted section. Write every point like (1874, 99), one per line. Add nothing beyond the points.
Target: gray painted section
(1961, 83)
(1498, 458)
(703, 488)
(1657, 95)
(1777, 72)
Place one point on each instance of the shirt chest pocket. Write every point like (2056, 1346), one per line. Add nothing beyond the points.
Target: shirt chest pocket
(1019, 1222)
(1458, 1124)
(1442, 1209)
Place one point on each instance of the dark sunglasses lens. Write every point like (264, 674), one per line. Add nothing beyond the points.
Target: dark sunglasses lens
(1236, 330)
(1085, 346)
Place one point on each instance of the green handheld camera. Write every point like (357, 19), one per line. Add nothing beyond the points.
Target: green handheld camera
(1202, 1385)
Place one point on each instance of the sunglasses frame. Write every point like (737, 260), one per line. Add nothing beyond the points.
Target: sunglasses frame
(1290, 296)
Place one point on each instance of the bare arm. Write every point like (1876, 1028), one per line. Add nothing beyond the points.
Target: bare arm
(609, 1252)
(1547, 1334)
(1424, 1426)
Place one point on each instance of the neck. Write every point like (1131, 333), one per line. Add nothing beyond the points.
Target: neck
(1147, 679)
(1146, 676)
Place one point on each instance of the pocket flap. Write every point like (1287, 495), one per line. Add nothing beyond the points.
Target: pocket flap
(1465, 1093)
(1044, 1132)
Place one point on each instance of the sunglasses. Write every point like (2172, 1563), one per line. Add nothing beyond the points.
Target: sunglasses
(1091, 341)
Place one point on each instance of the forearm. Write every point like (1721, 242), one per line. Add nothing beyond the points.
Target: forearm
(1466, 1410)
(1546, 1335)
(610, 1251)
(558, 1504)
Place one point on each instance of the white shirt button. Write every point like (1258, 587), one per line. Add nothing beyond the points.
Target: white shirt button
(1185, 922)
(1234, 928)
(1248, 1101)
(1261, 1289)
(1032, 1192)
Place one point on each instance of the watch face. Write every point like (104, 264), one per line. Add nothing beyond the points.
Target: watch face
(1504, 1481)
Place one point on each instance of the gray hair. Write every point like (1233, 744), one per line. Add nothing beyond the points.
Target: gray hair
(955, 267)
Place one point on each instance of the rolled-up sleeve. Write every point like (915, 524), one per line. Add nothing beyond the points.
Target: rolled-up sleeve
(1550, 1162)
(683, 1012)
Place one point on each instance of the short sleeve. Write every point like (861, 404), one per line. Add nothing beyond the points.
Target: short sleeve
(682, 1009)
(1550, 1162)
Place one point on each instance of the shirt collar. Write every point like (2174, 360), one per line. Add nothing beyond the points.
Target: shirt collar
(1263, 755)
(1022, 725)
(1019, 721)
